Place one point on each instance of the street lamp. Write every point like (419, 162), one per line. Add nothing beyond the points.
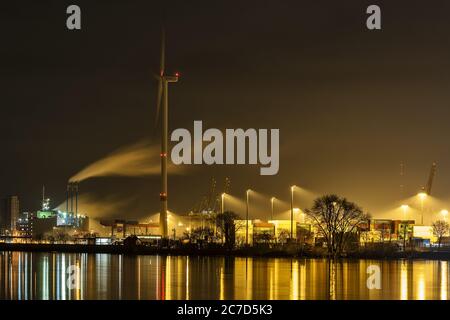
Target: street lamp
(292, 210)
(246, 216)
(444, 214)
(422, 196)
(223, 202)
(272, 200)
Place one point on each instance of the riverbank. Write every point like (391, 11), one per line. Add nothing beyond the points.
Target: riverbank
(288, 251)
(144, 250)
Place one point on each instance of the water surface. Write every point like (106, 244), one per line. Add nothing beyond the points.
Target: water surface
(104, 276)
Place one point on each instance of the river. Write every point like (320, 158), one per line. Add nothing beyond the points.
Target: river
(55, 276)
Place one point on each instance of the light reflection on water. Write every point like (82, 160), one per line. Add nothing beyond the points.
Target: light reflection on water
(26, 276)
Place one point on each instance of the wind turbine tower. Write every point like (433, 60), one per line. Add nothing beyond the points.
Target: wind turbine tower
(163, 94)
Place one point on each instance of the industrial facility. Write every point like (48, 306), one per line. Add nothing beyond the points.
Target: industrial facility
(200, 224)
(49, 220)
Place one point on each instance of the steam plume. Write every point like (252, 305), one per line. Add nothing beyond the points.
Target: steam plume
(100, 207)
(140, 159)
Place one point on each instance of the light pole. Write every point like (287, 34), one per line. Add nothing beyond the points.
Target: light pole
(292, 210)
(422, 196)
(405, 208)
(246, 216)
(272, 200)
(223, 202)
(222, 209)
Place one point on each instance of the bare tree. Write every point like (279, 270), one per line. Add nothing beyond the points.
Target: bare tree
(440, 229)
(336, 220)
(283, 236)
(201, 233)
(226, 226)
(264, 237)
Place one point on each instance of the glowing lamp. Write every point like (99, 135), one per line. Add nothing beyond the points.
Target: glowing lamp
(422, 195)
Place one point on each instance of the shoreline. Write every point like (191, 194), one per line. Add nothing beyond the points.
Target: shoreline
(243, 252)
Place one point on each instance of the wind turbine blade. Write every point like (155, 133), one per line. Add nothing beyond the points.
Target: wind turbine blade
(158, 101)
(163, 52)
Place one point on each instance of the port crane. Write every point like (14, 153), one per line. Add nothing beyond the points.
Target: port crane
(211, 202)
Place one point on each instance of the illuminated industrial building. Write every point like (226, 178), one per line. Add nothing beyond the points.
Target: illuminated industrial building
(23, 225)
(121, 228)
(423, 235)
(270, 231)
(385, 230)
(47, 220)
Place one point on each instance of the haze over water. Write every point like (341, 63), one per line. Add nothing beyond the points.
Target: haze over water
(103, 276)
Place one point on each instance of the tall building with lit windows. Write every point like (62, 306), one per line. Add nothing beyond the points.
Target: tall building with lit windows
(9, 213)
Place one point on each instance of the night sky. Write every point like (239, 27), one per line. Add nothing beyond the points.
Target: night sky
(350, 103)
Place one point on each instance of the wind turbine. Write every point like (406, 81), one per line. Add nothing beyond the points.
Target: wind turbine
(163, 94)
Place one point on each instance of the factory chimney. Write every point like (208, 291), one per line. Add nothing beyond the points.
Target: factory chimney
(72, 191)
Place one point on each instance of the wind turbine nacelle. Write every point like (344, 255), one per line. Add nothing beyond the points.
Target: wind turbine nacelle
(171, 78)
